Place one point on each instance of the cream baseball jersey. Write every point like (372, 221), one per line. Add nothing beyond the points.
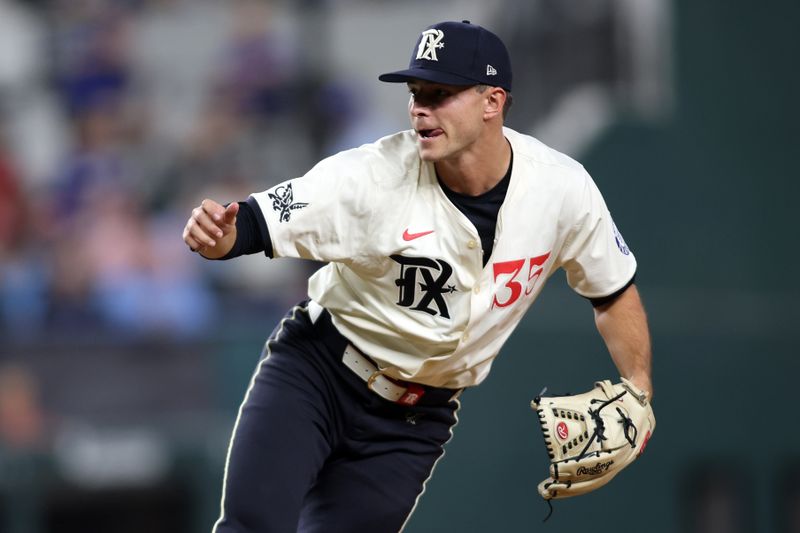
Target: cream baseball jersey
(405, 281)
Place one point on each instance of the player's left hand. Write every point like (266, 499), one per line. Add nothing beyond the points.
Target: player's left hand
(211, 229)
(591, 437)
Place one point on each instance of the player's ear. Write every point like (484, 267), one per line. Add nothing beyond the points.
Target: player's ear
(494, 100)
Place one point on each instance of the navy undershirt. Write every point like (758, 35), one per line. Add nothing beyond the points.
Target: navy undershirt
(482, 210)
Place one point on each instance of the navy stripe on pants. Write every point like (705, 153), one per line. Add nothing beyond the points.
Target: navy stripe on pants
(314, 450)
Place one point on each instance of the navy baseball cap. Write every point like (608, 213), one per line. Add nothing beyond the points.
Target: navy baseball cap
(457, 53)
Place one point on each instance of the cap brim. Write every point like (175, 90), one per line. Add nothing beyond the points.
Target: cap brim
(436, 76)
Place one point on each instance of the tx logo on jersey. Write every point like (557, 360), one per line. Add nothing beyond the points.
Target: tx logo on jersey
(431, 40)
(283, 202)
(430, 276)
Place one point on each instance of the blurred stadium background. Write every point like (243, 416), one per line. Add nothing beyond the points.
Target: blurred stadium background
(123, 357)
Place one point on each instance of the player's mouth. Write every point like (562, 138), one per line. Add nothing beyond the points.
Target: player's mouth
(428, 134)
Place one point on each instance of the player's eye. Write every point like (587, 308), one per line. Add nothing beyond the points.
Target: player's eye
(429, 96)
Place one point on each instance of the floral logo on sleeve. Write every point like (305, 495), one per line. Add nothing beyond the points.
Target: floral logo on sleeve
(283, 202)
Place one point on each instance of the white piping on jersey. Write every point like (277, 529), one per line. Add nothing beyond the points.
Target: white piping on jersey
(268, 349)
(430, 475)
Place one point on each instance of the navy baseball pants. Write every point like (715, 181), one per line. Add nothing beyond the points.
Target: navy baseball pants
(315, 450)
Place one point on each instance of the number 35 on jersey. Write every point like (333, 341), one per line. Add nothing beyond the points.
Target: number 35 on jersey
(517, 278)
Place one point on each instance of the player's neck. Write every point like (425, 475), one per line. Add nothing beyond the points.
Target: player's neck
(477, 170)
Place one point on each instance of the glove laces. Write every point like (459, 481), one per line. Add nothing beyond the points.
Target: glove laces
(627, 426)
(600, 426)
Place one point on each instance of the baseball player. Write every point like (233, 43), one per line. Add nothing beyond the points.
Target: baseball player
(437, 241)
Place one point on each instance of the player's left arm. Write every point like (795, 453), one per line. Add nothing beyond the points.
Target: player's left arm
(622, 323)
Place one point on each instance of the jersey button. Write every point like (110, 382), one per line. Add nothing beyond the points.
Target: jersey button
(476, 289)
(465, 336)
(472, 245)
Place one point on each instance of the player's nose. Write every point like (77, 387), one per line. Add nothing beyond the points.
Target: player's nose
(417, 107)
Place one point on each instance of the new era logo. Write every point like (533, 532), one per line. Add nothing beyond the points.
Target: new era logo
(491, 71)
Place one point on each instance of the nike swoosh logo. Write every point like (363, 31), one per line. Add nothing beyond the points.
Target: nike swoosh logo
(411, 236)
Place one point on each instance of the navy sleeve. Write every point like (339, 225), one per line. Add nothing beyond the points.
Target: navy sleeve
(252, 235)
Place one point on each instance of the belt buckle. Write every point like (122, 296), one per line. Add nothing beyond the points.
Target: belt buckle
(411, 392)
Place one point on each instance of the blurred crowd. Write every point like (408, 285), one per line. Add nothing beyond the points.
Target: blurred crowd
(116, 118)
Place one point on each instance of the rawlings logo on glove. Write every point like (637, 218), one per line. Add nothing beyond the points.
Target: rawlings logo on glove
(599, 468)
(591, 437)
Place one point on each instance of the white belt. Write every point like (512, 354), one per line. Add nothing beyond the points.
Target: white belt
(366, 370)
(378, 382)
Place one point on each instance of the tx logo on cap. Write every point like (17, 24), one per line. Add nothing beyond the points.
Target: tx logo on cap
(431, 40)
(473, 56)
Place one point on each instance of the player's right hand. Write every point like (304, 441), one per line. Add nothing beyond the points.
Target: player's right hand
(211, 230)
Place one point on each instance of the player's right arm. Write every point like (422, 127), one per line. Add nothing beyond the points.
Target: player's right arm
(211, 229)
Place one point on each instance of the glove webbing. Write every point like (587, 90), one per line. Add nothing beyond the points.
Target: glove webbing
(600, 427)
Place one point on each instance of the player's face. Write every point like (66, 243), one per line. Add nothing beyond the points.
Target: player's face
(448, 119)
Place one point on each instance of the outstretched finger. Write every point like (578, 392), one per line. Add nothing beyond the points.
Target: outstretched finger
(230, 213)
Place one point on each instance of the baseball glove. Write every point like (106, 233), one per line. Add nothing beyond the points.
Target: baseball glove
(590, 437)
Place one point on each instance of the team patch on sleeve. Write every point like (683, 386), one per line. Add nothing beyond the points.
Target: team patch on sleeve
(283, 202)
(620, 241)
